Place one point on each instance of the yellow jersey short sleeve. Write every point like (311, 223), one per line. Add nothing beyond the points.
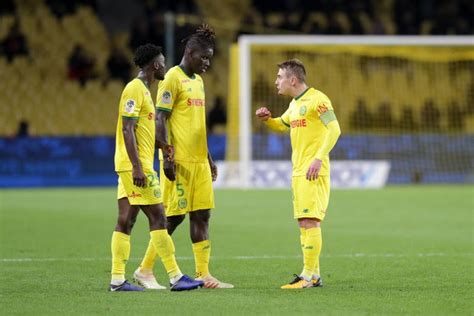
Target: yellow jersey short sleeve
(131, 101)
(168, 90)
(136, 103)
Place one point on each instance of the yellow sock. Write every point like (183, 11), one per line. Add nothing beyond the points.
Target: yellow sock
(320, 243)
(202, 252)
(164, 247)
(149, 259)
(311, 252)
(120, 253)
(302, 237)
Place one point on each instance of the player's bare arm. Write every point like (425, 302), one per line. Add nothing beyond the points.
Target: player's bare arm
(169, 166)
(128, 130)
(163, 145)
(263, 114)
(213, 166)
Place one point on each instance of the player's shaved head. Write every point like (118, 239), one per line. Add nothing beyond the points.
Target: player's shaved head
(294, 67)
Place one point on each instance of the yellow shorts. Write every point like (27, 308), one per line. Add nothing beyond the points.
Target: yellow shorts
(191, 191)
(310, 198)
(149, 195)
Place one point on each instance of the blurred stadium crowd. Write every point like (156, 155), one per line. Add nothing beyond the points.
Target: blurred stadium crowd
(64, 54)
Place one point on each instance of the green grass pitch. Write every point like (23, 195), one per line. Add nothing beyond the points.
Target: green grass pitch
(400, 250)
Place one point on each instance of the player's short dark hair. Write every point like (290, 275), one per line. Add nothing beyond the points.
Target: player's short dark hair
(202, 38)
(145, 54)
(294, 67)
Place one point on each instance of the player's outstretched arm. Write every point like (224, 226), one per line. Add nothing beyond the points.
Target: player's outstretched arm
(169, 167)
(128, 130)
(275, 124)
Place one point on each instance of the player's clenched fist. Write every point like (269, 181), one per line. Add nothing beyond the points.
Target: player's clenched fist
(263, 114)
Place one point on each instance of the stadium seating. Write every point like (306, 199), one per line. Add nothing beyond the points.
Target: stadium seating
(38, 89)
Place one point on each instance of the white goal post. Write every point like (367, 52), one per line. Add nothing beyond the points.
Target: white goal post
(245, 43)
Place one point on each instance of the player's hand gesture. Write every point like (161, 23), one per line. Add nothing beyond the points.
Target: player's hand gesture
(168, 152)
(139, 178)
(263, 114)
(213, 170)
(313, 170)
(169, 167)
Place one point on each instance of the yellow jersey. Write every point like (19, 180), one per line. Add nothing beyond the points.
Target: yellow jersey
(307, 117)
(136, 104)
(184, 98)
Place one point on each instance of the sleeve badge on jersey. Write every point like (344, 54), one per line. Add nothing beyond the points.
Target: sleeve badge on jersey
(166, 97)
(130, 106)
(322, 108)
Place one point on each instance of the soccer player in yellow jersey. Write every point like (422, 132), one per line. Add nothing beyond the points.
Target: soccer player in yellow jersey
(138, 183)
(314, 131)
(187, 179)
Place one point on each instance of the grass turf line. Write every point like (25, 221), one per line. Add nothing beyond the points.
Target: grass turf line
(403, 221)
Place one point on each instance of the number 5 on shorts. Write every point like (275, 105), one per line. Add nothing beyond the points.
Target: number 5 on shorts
(179, 188)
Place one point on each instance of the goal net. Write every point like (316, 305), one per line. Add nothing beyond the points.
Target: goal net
(405, 106)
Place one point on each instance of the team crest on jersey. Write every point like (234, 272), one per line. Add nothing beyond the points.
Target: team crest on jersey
(303, 110)
(166, 97)
(130, 106)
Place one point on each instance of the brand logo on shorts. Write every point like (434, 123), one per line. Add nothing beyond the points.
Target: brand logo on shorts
(305, 210)
(134, 195)
(182, 203)
(157, 193)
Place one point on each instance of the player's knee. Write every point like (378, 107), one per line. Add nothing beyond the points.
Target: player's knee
(201, 216)
(124, 224)
(157, 219)
(309, 222)
(175, 220)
